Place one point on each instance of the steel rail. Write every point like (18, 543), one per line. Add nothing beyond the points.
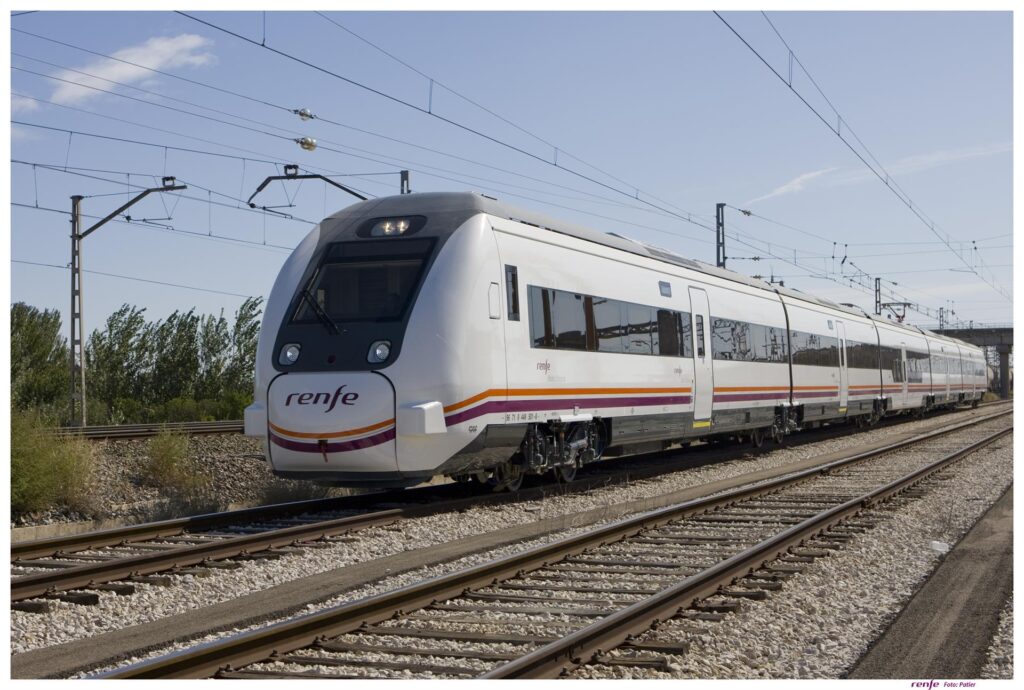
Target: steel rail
(64, 545)
(246, 648)
(581, 646)
(113, 431)
(126, 535)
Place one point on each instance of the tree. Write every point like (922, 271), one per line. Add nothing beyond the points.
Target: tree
(118, 356)
(214, 356)
(244, 337)
(40, 375)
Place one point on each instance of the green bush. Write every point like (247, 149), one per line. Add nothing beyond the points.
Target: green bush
(170, 468)
(47, 471)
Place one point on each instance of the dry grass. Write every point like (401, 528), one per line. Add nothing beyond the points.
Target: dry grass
(171, 469)
(48, 472)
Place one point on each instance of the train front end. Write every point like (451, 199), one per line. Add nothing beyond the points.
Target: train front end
(362, 342)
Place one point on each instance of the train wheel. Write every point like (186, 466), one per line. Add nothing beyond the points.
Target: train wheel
(566, 473)
(507, 477)
(757, 438)
(975, 403)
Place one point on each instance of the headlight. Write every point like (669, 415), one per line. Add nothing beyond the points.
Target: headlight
(289, 354)
(379, 351)
(392, 227)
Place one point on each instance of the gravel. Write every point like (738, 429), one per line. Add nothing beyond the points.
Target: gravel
(238, 475)
(69, 622)
(999, 661)
(823, 620)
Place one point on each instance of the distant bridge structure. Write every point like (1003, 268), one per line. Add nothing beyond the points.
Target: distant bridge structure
(1001, 338)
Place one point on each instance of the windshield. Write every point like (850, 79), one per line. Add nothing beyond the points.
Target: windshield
(365, 281)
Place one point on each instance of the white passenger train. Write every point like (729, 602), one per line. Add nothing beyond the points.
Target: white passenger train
(450, 334)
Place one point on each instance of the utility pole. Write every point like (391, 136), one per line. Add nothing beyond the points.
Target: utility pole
(720, 235)
(76, 345)
(942, 319)
(405, 182)
(878, 296)
(77, 341)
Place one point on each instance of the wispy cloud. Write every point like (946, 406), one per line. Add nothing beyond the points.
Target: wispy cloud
(901, 167)
(160, 52)
(797, 184)
(23, 134)
(909, 165)
(20, 104)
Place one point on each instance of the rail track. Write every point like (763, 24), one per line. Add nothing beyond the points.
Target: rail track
(99, 433)
(549, 609)
(117, 559)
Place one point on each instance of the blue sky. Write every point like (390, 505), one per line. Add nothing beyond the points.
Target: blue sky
(670, 104)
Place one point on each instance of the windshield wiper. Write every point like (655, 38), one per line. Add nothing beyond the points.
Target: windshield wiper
(326, 320)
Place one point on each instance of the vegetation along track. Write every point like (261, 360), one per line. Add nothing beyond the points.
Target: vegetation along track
(554, 607)
(55, 567)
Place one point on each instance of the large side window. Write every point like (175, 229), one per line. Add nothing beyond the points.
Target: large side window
(571, 321)
(815, 350)
(747, 342)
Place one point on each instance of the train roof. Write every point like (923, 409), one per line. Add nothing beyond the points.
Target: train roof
(470, 203)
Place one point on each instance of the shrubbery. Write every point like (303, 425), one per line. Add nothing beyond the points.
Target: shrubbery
(47, 471)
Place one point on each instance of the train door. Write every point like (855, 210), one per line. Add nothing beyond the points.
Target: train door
(902, 373)
(947, 371)
(844, 374)
(703, 376)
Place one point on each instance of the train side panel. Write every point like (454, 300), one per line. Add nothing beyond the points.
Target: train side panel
(551, 372)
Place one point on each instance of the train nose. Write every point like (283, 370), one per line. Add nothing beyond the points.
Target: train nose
(332, 425)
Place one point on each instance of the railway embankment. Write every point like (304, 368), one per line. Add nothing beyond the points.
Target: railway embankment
(71, 636)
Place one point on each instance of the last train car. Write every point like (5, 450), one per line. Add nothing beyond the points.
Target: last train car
(449, 334)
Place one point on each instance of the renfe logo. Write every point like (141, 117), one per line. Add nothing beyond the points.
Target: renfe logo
(323, 399)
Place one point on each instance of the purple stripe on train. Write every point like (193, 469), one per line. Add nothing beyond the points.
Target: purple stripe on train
(501, 406)
(338, 447)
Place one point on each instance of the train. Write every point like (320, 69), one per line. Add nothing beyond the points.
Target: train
(429, 334)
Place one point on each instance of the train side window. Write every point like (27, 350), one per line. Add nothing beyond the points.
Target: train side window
(512, 292)
(540, 318)
(686, 333)
(699, 330)
(669, 334)
(638, 329)
(608, 324)
(568, 320)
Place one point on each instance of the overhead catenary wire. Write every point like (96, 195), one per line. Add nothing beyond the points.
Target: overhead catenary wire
(882, 174)
(686, 216)
(316, 117)
(134, 278)
(177, 230)
(674, 233)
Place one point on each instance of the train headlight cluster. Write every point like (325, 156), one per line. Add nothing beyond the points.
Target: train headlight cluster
(289, 354)
(390, 226)
(379, 352)
(395, 226)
